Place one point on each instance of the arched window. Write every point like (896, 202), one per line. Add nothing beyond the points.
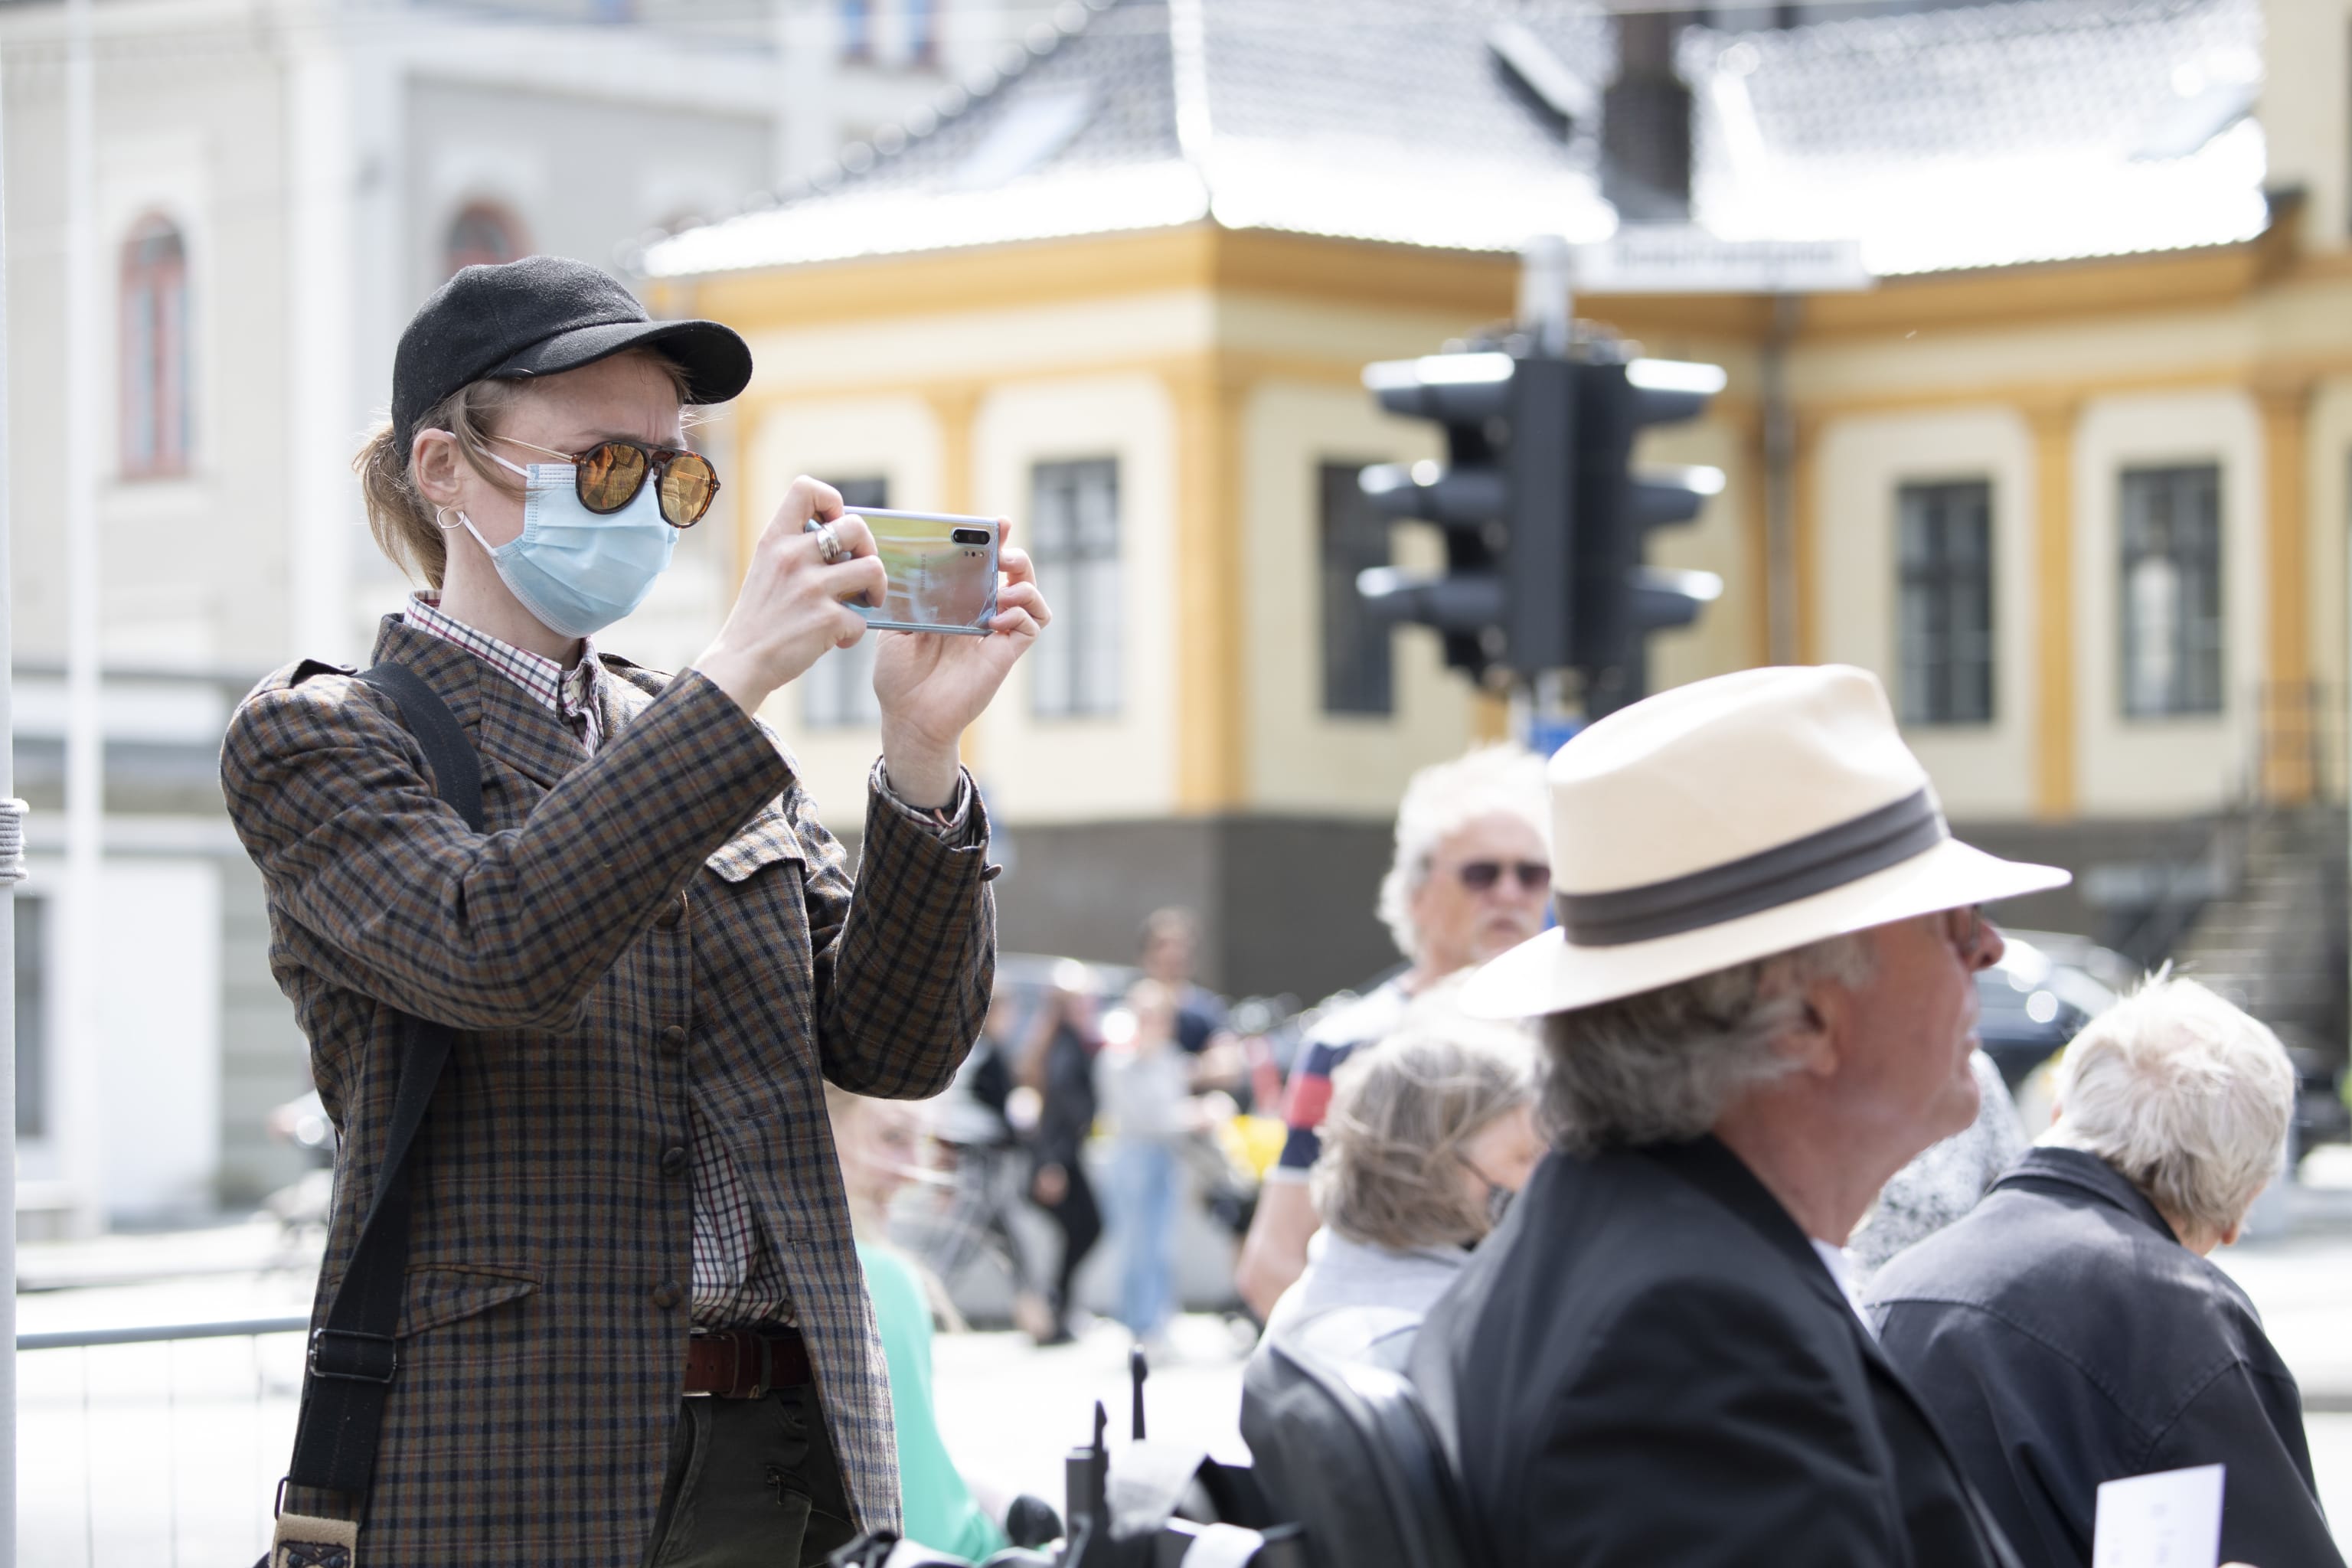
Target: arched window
(483, 233)
(154, 330)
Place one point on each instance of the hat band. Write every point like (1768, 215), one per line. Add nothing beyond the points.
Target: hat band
(1835, 855)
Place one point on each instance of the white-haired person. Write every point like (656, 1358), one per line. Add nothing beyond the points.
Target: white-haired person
(1758, 1005)
(2070, 1330)
(1471, 877)
(1431, 1134)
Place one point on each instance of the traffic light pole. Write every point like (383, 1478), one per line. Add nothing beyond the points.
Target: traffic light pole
(1543, 516)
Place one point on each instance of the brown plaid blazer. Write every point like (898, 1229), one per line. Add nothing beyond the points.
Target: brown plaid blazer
(667, 919)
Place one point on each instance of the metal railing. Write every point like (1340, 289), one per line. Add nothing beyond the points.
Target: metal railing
(2299, 743)
(155, 1444)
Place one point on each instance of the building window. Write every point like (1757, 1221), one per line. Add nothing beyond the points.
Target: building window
(837, 691)
(32, 1018)
(1358, 673)
(482, 234)
(154, 350)
(1073, 537)
(856, 30)
(922, 32)
(2172, 590)
(1946, 630)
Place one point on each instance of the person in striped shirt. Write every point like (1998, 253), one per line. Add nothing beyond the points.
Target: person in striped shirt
(1471, 879)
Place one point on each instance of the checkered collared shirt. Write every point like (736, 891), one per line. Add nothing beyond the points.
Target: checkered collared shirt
(737, 1279)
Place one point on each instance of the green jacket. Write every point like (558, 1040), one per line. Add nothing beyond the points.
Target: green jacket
(937, 1507)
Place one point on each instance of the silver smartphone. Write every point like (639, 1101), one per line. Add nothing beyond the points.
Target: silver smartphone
(942, 572)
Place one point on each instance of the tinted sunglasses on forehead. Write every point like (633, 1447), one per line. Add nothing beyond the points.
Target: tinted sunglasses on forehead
(608, 475)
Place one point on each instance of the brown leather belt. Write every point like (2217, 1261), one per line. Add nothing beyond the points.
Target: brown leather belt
(744, 1363)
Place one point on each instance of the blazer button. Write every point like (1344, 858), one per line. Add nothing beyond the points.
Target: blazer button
(667, 1294)
(673, 1040)
(672, 914)
(673, 1160)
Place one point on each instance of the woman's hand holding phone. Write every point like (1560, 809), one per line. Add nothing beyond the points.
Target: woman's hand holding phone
(793, 606)
(931, 687)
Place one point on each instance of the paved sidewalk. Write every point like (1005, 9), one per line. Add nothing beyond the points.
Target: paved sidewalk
(125, 1452)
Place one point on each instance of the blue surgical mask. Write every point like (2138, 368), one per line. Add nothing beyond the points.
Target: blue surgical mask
(577, 571)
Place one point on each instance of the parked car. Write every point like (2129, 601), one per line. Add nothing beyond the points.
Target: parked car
(2046, 987)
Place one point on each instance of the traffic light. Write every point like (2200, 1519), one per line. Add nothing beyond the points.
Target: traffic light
(1543, 516)
(1616, 600)
(1501, 497)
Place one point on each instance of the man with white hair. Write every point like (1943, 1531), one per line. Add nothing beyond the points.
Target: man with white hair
(1758, 1005)
(1469, 880)
(2070, 1330)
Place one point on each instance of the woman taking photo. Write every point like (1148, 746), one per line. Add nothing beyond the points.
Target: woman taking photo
(630, 1326)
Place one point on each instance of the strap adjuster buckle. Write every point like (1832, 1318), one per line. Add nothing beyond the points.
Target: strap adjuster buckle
(369, 1358)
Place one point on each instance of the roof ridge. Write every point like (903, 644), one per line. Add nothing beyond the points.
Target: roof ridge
(1188, 70)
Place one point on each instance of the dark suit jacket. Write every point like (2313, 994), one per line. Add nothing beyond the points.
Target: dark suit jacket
(2064, 1338)
(668, 920)
(1648, 1365)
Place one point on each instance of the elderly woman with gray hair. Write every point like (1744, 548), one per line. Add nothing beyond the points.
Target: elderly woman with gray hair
(2070, 1330)
(1429, 1135)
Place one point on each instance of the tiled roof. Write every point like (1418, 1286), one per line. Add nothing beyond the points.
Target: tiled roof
(1387, 120)
(2033, 130)
(1985, 136)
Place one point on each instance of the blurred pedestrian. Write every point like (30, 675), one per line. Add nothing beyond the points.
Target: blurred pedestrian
(1170, 953)
(1759, 1005)
(1431, 1134)
(2071, 1331)
(983, 1157)
(1059, 1066)
(649, 957)
(1470, 878)
(1145, 1090)
(880, 1146)
(1946, 1180)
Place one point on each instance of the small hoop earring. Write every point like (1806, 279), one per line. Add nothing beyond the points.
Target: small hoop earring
(441, 511)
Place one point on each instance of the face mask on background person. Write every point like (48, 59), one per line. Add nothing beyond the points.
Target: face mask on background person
(577, 571)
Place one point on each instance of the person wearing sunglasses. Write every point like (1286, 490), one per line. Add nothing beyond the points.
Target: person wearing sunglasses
(629, 1268)
(1469, 880)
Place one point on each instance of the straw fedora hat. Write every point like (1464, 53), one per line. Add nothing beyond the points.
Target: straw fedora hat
(1728, 820)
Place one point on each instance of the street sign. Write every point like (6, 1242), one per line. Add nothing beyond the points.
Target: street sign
(1678, 258)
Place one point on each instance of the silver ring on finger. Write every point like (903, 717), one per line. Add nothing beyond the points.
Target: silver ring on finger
(828, 544)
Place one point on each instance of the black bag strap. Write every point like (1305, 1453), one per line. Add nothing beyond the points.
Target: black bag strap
(355, 1353)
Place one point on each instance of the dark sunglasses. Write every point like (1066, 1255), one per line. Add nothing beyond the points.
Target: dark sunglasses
(1535, 877)
(608, 475)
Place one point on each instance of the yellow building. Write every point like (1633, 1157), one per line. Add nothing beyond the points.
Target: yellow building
(2070, 477)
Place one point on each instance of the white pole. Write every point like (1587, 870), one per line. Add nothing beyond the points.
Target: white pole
(11, 868)
(1546, 302)
(80, 1056)
(323, 425)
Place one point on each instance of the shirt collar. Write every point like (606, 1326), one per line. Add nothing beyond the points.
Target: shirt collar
(2048, 1165)
(567, 693)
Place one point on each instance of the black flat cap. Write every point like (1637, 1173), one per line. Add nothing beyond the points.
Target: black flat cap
(539, 316)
